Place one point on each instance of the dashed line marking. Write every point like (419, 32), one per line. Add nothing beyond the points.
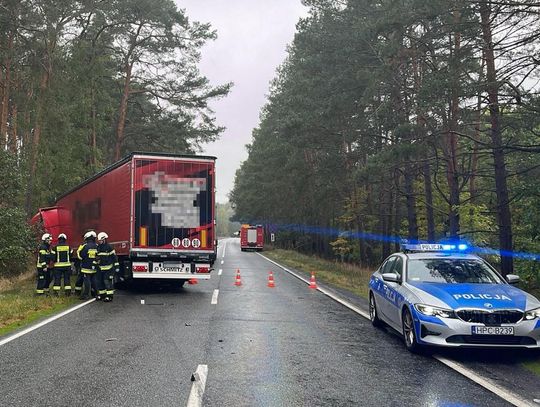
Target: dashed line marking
(197, 388)
(219, 272)
(214, 297)
(224, 249)
(502, 392)
(222, 262)
(44, 322)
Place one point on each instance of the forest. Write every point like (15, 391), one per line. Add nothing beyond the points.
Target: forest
(402, 119)
(83, 83)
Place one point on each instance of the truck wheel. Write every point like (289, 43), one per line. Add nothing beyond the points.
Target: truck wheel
(176, 285)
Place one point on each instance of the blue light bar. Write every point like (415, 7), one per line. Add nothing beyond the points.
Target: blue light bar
(434, 247)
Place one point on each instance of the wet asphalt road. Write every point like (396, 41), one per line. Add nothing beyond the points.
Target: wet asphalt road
(282, 346)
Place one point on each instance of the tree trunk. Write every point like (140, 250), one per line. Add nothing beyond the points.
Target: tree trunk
(36, 139)
(93, 137)
(122, 113)
(13, 138)
(411, 203)
(4, 116)
(428, 195)
(503, 204)
(398, 215)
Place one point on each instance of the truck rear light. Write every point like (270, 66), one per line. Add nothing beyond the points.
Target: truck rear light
(140, 267)
(202, 269)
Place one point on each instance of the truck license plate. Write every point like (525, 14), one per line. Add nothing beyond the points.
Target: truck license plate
(493, 330)
(168, 267)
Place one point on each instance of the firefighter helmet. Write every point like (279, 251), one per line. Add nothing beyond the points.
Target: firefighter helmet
(46, 236)
(62, 236)
(90, 234)
(102, 236)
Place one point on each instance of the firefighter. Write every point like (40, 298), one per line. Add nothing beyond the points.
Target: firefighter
(77, 263)
(62, 266)
(87, 254)
(108, 266)
(44, 257)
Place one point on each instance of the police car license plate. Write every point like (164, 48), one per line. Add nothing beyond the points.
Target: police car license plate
(493, 330)
(171, 267)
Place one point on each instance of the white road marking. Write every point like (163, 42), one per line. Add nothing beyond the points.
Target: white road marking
(224, 249)
(44, 322)
(219, 272)
(502, 392)
(197, 388)
(142, 302)
(222, 262)
(214, 297)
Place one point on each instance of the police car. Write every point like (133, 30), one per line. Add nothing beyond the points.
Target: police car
(438, 294)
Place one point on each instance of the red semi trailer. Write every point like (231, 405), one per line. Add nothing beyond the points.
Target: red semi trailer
(158, 210)
(251, 237)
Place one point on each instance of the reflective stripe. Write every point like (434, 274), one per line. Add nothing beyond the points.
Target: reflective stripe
(88, 271)
(56, 288)
(110, 292)
(39, 291)
(106, 253)
(79, 251)
(107, 267)
(67, 287)
(66, 264)
(101, 292)
(78, 288)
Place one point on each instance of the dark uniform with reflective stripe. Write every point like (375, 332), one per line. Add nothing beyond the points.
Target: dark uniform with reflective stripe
(88, 267)
(45, 255)
(108, 265)
(62, 267)
(80, 276)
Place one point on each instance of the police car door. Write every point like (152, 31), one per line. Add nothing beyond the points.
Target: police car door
(383, 302)
(394, 294)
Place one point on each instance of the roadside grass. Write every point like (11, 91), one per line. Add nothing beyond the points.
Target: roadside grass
(343, 275)
(19, 306)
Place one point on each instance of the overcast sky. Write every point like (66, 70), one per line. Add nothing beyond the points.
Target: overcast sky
(252, 37)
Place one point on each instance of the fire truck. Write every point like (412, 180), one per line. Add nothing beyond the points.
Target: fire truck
(251, 237)
(158, 210)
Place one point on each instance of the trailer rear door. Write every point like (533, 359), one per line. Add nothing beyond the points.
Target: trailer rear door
(173, 205)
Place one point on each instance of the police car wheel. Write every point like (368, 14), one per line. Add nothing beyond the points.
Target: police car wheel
(373, 316)
(409, 335)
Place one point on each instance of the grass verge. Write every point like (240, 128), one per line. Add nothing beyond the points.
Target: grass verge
(19, 306)
(533, 366)
(347, 276)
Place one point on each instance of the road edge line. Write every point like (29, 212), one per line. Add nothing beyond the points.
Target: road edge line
(501, 392)
(44, 322)
(197, 388)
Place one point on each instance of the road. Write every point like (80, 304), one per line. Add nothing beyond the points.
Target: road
(282, 346)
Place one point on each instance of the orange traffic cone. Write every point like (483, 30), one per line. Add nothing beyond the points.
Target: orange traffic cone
(238, 281)
(193, 281)
(312, 282)
(271, 280)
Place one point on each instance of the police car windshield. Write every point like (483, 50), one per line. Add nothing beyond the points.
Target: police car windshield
(455, 271)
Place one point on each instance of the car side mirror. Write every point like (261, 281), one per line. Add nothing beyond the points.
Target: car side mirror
(391, 278)
(512, 278)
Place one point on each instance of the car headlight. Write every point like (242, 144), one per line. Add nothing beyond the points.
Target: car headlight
(434, 311)
(532, 314)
